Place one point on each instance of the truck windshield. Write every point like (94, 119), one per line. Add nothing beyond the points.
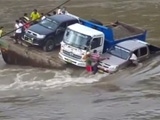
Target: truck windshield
(120, 52)
(48, 23)
(76, 39)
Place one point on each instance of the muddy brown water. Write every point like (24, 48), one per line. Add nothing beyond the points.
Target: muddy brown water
(28, 93)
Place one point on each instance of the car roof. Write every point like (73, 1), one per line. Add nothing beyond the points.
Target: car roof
(84, 30)
(62, 18)
(132, 44)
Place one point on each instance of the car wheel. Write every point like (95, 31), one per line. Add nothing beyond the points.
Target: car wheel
(49, 46)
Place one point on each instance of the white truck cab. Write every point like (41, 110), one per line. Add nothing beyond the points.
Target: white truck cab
(77, 40)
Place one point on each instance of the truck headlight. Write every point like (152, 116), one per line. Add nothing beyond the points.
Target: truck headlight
(113, 68)
(41, 36)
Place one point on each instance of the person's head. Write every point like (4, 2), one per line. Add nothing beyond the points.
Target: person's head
(48, 14)
(1, 27)
(54, 12)
(35, 10)
(17, 21)
(42, 14)
(88, 54)
(95, 51)
(25, 14)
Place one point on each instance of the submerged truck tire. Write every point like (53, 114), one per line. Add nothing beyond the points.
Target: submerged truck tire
(49, 46)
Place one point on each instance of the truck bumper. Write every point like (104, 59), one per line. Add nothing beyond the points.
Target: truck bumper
(103, 69)
(72, 61)
(32, 41)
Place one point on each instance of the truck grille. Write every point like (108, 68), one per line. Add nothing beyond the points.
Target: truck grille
(31, 33)
(104, 65)
(26, 38)
(71, 54)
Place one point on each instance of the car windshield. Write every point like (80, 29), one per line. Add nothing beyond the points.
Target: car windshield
(120, 52)
(48, 23)
(76, 39)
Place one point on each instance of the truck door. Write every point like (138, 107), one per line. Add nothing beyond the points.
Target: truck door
(143, 53)
(96, 44)
(60, 33)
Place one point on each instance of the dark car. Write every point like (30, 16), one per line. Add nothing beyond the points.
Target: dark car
(49, 32)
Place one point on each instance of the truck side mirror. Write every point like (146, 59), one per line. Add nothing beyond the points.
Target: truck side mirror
(59, 30)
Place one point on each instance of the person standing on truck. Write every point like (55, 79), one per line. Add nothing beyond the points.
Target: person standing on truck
(35, 16)
(18, 32)
(88, 60)
(26, 18)
(59, 11)
(54, 12)
(43, 16)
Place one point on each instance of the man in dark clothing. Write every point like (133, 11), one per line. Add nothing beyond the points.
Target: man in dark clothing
(95, 67)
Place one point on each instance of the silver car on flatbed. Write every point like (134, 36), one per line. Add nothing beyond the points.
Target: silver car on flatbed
(119, 55)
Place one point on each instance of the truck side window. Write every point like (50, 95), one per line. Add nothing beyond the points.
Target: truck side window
(96, 42)
(136, 52)
(63, 25)
(71, 22)
(143, 51)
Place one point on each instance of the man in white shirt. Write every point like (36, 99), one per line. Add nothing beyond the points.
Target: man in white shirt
(18, 32)
(59, 11)
(43, 16)
(134, 59)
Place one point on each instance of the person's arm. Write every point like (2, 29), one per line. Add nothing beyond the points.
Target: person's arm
(1, 32)
(102, 57)
(84, 57)
(16, 26)
(39, 16)
(31, 16)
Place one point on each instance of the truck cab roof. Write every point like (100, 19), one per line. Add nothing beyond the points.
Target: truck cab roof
(85, 30)
(132, 44)
(62, 18)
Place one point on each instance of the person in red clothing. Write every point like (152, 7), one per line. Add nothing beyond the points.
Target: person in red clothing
(95, 56)
(26, 25)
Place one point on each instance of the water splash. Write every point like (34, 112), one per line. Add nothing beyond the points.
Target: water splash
(35, 79)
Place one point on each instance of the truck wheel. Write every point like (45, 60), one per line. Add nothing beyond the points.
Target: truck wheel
(49, 46)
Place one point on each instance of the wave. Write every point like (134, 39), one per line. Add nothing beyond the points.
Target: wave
(38, 79)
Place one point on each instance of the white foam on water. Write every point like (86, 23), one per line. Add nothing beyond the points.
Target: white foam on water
(61, 79)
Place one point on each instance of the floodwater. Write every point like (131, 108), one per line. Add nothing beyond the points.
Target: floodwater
(28, 93)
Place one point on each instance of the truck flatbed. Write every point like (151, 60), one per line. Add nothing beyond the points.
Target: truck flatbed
(121, 31)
